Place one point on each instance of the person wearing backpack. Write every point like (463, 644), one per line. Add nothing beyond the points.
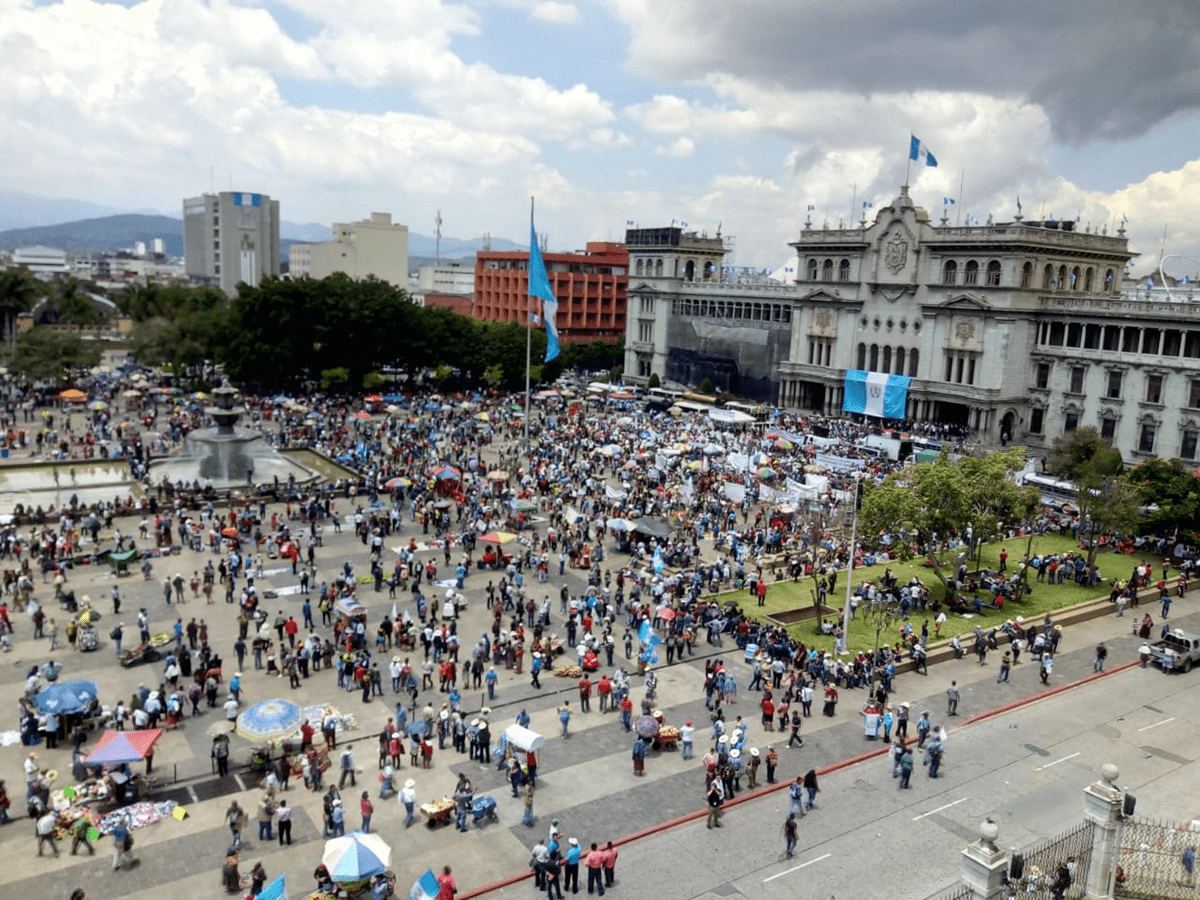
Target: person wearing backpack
(564, 716)
(796, 797)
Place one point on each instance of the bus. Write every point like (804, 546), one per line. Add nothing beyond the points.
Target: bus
(661, 399)
(760, 414)
(1056, 492)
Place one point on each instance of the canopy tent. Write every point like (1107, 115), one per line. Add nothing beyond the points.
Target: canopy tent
(116, 748)
(348, 606)
(522, 738)
(651, 527)
(270, 720)
(356, 856)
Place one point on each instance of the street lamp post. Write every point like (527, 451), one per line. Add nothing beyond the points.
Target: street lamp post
(850, 569)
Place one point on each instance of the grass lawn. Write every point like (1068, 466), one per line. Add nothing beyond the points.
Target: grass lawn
(785, 595)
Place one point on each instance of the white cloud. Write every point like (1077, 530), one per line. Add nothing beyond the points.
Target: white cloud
(556, 13)
(679, 148)
(607, 139)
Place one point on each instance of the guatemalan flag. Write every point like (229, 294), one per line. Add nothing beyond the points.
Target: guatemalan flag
(425, 888)
(918, 151)
(876, 394)
(539, 286)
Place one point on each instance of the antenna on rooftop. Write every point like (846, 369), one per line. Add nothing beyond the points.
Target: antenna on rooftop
(437, 239)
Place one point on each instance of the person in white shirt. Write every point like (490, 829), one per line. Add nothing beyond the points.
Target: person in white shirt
(231, 712)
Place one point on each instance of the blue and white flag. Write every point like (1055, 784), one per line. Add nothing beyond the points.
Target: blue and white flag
(644, 631)
(867, 204)
(276, 890)
(918, 151)
(658, 563)
(947, 201)
(876, 394)
(539, 286)
(535, 318)
(810, 208)
(425, 888)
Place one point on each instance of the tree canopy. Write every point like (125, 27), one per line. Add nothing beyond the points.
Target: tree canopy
(1171, 492)
(1105, 500)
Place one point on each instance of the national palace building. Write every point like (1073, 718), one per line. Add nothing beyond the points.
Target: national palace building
(1020, 330)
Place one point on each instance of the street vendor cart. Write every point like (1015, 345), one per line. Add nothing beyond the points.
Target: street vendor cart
(86, 638)
(438, 812)
(351, 611)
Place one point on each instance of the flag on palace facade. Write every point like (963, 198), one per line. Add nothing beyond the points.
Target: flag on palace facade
(875, 394)
(919, 151)
(948, 201)
(539, 286)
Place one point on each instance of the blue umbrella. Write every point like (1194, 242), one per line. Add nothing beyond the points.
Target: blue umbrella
(356, 856)
(66, 697)
(417, 727)
(270, 720)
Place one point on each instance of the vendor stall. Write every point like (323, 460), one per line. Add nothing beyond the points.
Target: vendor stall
(351, 611)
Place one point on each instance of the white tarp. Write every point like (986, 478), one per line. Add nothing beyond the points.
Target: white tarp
(735, 492)
(522, 738)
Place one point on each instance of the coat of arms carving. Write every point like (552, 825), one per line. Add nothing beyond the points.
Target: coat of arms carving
(965, 331)
(896, 254)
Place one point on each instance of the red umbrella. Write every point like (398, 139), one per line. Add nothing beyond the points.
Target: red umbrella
(362, 415)
(118, 747)
(229, 532)
(667, 614)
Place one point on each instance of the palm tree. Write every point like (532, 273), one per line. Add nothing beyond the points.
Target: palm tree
(19, 290)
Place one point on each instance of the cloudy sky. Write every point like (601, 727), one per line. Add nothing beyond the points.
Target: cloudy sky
(730, 113)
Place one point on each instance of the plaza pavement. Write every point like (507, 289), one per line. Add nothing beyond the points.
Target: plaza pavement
(992, 767)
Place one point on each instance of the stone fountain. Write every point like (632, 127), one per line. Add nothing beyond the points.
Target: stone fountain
(227, 456)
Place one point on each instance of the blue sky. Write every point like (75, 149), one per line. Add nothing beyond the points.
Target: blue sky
(738, 115)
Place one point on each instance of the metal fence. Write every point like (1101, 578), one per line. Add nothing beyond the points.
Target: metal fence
(957, 892)
(1041, 861)
(1152, 860)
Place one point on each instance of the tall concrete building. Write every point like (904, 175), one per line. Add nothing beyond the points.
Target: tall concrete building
(229, 238)
(590, 288)
(374, 246)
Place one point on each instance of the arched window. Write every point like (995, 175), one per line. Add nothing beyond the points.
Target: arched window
(993, 273)
(971, 276)
(827, 270)
(1089, 279)
(658, 268)
(708, 271)
(844, 270)
(639, 267)
(950, 272)
(812, 270)
(1047, 277)
(862, 356)
(874, 357)
(1110, 281)
(1027, 275)
(887, 360)
(1062, 278)
(689, 270)
(899, 370)
(1076, 282)
(913, 357)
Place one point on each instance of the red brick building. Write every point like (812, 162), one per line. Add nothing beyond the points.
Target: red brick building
(591, 288)
(458, 303)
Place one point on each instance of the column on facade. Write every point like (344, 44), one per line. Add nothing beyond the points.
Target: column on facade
(1102, 806)
(985, 864)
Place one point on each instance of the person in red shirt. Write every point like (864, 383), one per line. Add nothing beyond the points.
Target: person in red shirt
(585, 693)
(768, 713)
(290, 628)
(595, 867)
(604, 690)
(627, 713)
(447, 887)
(609, 855)
(366, 808)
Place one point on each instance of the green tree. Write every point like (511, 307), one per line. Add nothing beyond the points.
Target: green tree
(654, 381)
(19, 291)
(1105, 500)
(938, 500)
(46, 353)
(1171, 494)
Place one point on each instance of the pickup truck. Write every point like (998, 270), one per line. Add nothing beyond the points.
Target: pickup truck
(1180, 647)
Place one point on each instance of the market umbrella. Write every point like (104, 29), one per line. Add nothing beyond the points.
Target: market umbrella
(229, 531)
(417, 727)
(783, 444)
(66, 697)
(524, 506)
(73, 395)
(270, 720)
(373, 398)
(646, 726)
(447, 473)
(98, 405)
(667, 614)
(132, 392)
(498, 537)
(276, 890)
(117, 747)
(497, 475)
(356, 856)
(392, 483)
(87, 615)
(362, 415)
(765, 473)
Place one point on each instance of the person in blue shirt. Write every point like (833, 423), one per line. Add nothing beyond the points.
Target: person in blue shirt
(571, 868)
(535, 669)
(235, 686)
(523, 719)
(491, 679)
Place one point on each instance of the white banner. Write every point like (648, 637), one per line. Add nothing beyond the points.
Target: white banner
(735, 491)
(613, 493)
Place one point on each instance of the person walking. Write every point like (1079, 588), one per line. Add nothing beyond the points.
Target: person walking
(408, 799)
(564, 716)
(236, 817)
(796, 797)
(715, 794)
(79, 835)
(347, 763)
(906, 767)
(790, 833)
(1101, 656)
(1047, 667)
(811, 788)
(639, 756)
(45, 831)
(122, 844)
(952, 697)
(527, 819)
(1005, 667)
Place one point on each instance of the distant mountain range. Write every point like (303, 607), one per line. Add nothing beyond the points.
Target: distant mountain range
(78, 226)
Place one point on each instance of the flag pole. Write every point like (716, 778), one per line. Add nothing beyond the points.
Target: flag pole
(853, 199)
(908, 161)
(528, 335)
(958, 206)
